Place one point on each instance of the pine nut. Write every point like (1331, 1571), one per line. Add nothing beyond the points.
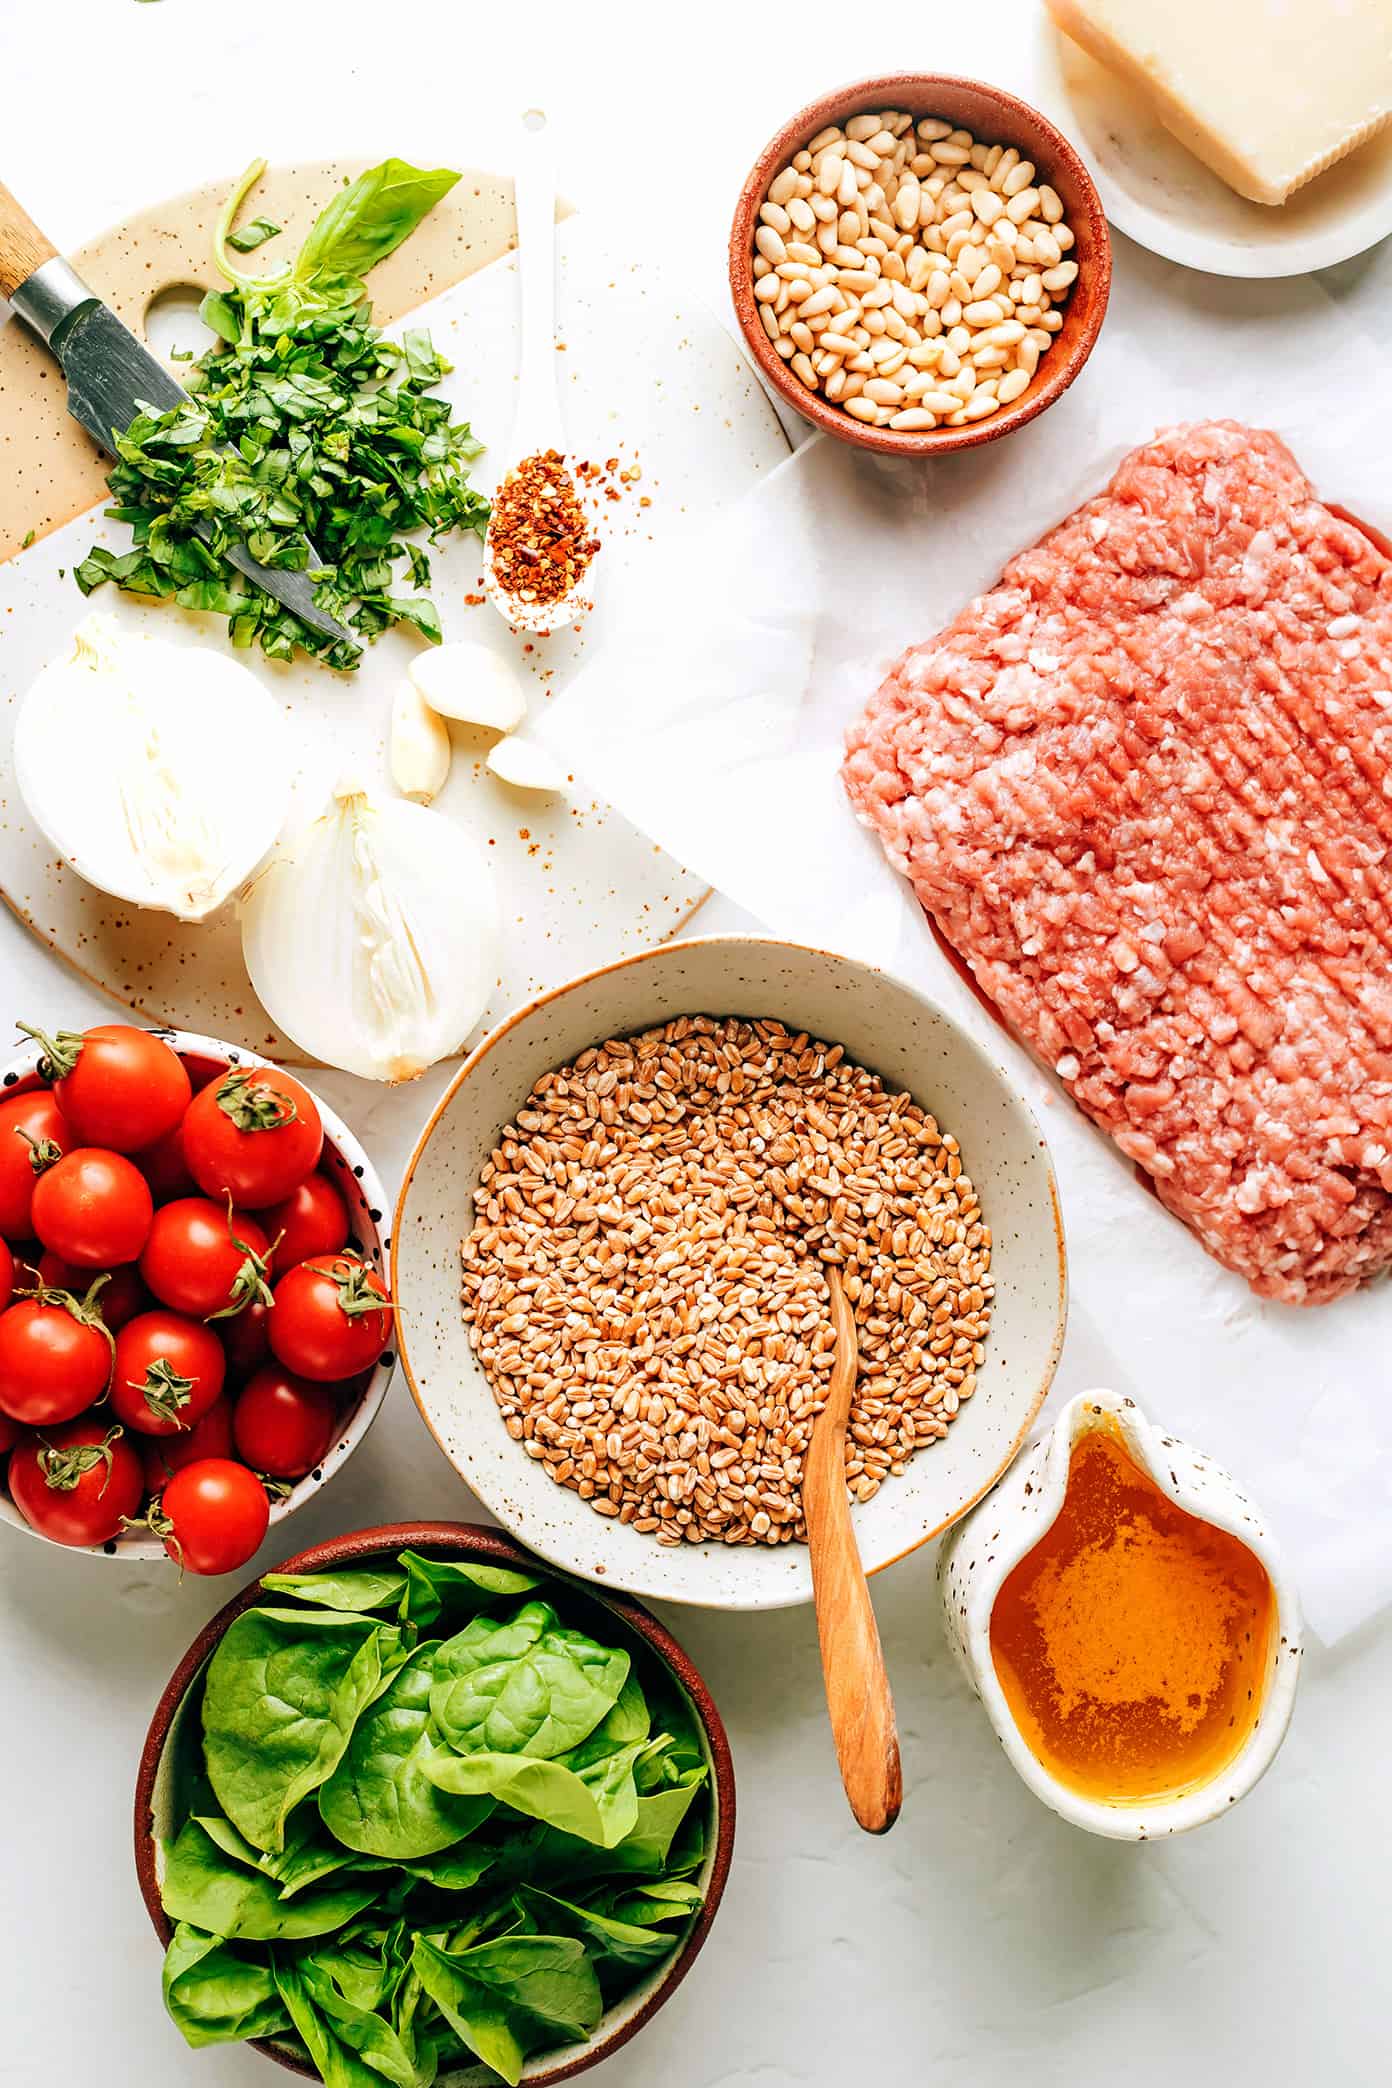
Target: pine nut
(893, 259)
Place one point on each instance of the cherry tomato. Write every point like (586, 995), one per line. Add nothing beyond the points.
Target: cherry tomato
(332, 1317)
(312, 1220)
(93, 1208)
(117, 1086)
(6, 1275)
(118, 1300)
(216, 1512)
(32, 1135)
(253, 1135)
(282, 1424)
(163, 1456)
(10, 1433)
(77, 1484)
(55, 1358)
(165, 1168)
(203, 1261)
(246, 1340)
(167, 1373)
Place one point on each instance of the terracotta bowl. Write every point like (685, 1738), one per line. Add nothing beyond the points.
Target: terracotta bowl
(167, 1754)
(993, 116)
(353, 1175)
(886, 1025)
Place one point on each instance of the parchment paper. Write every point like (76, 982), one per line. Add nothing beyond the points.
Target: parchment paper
(716, 725)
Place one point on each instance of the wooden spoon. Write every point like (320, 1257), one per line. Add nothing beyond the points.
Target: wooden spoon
(857, 1687)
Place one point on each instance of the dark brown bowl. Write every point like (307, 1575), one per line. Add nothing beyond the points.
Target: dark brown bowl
(988, 112)
(467, 1541)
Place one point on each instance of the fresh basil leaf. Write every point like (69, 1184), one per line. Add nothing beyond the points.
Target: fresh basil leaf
(219, 315)
(284, 1690)
(434, 1584)
(247, 238)
(358, 1590)
(529, 1685)
(380, 1798)
(208, 1889)
(370, 219)
(216, 1995)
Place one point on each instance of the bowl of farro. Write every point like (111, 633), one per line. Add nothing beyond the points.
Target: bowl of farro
(608, 1264)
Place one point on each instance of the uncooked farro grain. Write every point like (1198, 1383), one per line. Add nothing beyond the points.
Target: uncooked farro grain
(643, 1281)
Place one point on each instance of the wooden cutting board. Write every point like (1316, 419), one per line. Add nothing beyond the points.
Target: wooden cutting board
(578, 885)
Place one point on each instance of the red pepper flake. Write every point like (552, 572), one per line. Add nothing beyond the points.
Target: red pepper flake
(538, 535)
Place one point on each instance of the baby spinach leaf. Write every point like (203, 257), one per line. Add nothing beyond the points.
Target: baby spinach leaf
(602, 1935)
(215, 1995)
(529, 1685)
(506, 1997)
(364, 2039)
(357, 1590)
(648, 1846)
(453, 1870)
(433, 1584)
(210, 1890)
(658, 1900)
(369, 219)
(284, 1690)
(380, 1798)
(338, 2067)
(598, 1803)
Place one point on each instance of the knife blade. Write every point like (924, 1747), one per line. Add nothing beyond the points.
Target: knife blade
(111, 375)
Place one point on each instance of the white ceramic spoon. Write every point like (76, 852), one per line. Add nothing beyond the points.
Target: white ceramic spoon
(537, 425)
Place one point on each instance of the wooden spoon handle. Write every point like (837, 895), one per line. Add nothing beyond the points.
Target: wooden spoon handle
(859, 1701)
(23, 247)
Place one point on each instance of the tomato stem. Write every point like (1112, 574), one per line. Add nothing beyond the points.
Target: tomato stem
(63, 1468)
(61, 1051)
(252, 1104)
(356, 1295)
(43, 1153)
(249, 1284)
(163, 1390)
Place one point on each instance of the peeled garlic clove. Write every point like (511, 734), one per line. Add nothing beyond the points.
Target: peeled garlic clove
(160, 772)
(372, 936)
(473, 683)
(526, 766)
(420, 746)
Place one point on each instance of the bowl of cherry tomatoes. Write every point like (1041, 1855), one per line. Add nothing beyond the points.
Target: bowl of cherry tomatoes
(195, 1330)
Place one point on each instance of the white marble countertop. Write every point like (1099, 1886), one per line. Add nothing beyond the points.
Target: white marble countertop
(984, 1940)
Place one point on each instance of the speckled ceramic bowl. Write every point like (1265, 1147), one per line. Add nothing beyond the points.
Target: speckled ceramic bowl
(985, 1549)
(889, 1028)
(353, 1174)
(997, 118)
(169, 1755)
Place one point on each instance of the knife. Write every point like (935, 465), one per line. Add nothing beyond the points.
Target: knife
(111, 376)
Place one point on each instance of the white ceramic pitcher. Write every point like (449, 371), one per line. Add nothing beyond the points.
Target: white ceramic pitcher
(986, 1545)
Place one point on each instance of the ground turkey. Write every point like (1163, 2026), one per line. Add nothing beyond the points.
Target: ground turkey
(1144, 786)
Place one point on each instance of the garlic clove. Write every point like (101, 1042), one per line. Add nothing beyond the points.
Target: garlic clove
(159, 771)
(372, 935)
(420, 746)
(527, 766)
(473, 683)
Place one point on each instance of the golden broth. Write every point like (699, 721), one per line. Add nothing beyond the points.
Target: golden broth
(1133, 1641)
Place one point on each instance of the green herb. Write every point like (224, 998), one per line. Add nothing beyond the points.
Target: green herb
(247, 238)
(439, 1825)
(27, 540)
(305, 427)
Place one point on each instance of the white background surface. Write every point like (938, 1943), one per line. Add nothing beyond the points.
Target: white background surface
(984, 1941)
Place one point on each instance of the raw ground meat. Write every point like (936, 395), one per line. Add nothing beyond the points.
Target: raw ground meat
(1145, 788)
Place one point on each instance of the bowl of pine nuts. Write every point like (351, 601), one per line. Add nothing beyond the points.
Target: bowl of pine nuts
(609, 1265)
(919, 263)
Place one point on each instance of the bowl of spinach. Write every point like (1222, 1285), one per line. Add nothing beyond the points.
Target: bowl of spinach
(415, 1808)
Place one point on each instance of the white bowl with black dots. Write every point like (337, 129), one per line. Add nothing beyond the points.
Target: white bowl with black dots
(357, 1180)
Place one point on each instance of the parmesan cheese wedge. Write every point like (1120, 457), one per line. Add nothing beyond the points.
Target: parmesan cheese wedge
(1268, 93)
